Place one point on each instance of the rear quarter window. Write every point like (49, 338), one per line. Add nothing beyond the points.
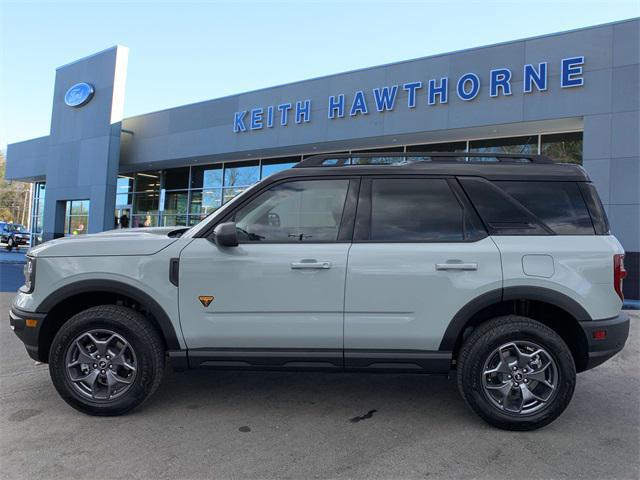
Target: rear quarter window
(560, 205)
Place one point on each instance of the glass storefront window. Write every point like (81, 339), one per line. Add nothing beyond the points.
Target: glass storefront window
(138, 221)
(174, 220)
(146, 181)
(506, 145)
(563, 147)
(176, 202)
(76, 220)
(241, 175)
(37, 213)
(204, 203)
(146, 203)
(209, 176)
(192, 193)
(269, 167)
(176, 178)
(124, 187)
(439, 147)
(229, 193)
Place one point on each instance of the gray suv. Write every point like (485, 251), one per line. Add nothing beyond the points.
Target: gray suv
(499, 269)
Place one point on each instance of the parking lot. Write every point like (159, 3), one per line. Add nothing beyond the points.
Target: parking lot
(300, 425)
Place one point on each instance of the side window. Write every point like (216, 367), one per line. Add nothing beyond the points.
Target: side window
(417, 210)
(559, 205)
(297, 211)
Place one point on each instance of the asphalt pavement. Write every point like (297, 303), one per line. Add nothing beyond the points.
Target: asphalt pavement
(205, 424)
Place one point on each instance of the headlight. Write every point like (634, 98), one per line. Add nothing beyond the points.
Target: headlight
(29, 274)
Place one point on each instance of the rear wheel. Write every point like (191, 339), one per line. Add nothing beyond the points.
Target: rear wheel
(10, 244)
(516, 373)
(106, 360)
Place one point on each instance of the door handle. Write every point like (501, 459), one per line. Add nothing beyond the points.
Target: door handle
(310, 265)
(456, 266)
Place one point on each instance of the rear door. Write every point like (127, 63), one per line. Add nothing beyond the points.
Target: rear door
(419, 255)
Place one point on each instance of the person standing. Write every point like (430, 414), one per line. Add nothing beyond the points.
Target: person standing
(124, 220)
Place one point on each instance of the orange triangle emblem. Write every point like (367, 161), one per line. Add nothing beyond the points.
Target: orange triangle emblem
(205, 300)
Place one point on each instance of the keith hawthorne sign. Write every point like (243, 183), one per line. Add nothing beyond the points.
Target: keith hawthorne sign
(383, 99)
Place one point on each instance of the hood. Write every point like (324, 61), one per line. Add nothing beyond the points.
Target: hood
(130, 241)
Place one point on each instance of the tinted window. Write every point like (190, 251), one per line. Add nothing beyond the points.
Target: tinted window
(598, 215)
(558, 204)
(502, 214)
(300, 211)
(419, 210)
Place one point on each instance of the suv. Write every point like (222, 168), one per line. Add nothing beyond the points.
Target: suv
(14, 235)
(498, 267)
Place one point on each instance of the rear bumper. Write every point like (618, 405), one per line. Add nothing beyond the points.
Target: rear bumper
(617, 331)
(25, 331)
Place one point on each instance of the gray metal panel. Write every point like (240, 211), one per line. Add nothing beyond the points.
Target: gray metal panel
(626, 43)
(626, 88)
(625, 181)
(599, 172)
(625, 140)
(27, 160)
(625, 223)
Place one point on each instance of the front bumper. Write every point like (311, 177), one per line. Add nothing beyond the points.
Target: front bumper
(601, 350)
(26, 325)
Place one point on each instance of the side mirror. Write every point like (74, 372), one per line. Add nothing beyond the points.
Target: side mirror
(226, 235)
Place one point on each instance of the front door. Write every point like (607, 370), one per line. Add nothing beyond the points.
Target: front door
(278, 297)
(419, 255)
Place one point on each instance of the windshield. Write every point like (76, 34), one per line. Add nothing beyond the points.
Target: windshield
(17, 228)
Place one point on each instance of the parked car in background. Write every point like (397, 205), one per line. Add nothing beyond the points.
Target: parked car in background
(13, 235)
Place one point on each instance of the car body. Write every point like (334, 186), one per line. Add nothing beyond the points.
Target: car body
(14, 235)
(417, 264)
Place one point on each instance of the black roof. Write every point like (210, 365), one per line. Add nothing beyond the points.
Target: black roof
(487, 165)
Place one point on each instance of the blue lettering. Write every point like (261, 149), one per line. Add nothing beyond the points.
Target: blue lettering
(256, 119)
(441, 91)
(411, 92)
(359, 104)
(284, 108)
(303, 114)
(500, 78)
(571, 71)
(238, 122)
(270, 117)
(539, 77)
(465, 94)
(336, 106)
(385, 98)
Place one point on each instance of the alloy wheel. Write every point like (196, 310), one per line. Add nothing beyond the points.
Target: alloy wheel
(520, 378)
(101, 365)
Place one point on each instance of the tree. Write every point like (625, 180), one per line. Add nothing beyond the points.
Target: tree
(14, 197)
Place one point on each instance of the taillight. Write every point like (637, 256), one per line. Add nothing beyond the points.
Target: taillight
(619, 274)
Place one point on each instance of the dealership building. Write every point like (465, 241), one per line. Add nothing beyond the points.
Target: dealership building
(573, 96)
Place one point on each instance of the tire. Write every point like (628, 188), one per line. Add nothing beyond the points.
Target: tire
(501, 395)
(10, 244)
(127, 354)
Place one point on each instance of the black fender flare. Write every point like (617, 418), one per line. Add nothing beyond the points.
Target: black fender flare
(541, 294)
(112, 286)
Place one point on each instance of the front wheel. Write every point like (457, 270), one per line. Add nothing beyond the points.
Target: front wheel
(516, 373)
(106, 360)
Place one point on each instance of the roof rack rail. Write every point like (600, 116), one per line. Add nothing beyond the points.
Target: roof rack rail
(409, 158)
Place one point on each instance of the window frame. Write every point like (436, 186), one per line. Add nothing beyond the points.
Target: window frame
(345, 232)
(362, 229)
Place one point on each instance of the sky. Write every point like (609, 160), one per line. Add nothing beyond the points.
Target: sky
(184, 52)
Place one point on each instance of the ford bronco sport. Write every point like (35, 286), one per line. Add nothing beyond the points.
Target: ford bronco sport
(498, 267)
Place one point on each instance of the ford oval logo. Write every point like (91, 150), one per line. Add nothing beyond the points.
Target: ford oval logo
(79, 94)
